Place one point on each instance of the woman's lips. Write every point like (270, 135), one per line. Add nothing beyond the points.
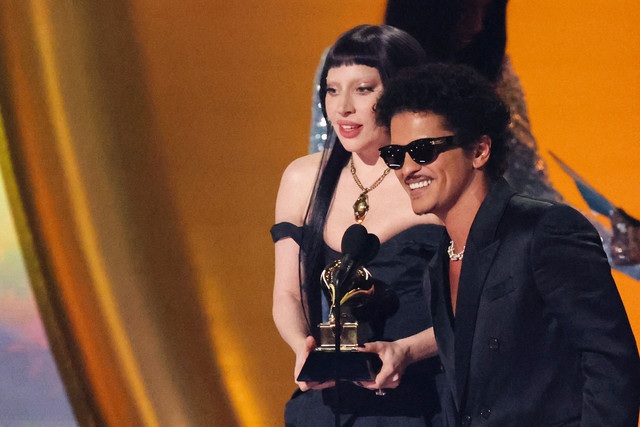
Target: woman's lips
(349, 129)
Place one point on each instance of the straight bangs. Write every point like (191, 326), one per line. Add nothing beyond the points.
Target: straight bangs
(356, 52)
(361, 58)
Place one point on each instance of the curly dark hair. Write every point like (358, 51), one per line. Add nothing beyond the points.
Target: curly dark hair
(466, 101)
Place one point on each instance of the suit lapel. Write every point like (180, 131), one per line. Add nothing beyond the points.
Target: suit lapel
(472, 279)
(480, 251)
(442, 321)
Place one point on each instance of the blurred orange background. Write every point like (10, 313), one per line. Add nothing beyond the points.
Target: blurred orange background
(579, 66)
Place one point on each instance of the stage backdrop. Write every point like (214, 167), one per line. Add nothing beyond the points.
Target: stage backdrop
(147, 140)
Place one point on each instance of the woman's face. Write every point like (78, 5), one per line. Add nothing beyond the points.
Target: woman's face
(352, 93)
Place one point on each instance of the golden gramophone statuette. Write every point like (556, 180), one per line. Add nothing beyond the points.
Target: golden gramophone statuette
(349, 324)
(350, 363)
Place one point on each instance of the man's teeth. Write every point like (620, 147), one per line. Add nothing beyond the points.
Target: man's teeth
(416, 185)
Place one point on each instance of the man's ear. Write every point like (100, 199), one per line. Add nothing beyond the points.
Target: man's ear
(482, 152)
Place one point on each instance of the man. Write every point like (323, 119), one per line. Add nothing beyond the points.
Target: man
(531, 330)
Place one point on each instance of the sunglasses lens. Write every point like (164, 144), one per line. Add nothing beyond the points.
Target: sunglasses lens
(393, 156)
(422, 152)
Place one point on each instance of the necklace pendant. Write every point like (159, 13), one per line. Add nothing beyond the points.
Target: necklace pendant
(361, 207)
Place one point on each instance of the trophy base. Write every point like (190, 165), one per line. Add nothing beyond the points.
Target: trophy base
(321, 366)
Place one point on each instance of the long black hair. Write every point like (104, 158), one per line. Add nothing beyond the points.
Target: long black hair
(388, 50)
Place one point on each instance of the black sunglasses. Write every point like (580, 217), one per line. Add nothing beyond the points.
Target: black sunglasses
(423, 151)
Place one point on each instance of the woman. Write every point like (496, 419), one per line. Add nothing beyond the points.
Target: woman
(315, 206)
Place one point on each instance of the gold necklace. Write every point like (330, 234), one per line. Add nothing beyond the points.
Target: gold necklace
(361, 206)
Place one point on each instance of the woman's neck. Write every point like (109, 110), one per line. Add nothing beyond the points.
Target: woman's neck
(368, 159)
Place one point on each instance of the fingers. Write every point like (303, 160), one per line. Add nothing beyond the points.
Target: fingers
(387, 378)
(376, 387)
(320, 386)
(370, 385)
(301, 358)
(312, 385)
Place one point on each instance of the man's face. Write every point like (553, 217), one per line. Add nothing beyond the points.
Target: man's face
(438, 186)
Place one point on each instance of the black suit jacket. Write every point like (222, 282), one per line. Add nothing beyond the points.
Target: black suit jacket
(540, 336)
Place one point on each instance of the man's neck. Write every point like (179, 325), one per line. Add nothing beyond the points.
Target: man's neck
(460, 217)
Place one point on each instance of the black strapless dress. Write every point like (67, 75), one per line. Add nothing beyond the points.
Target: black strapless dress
(400, 263)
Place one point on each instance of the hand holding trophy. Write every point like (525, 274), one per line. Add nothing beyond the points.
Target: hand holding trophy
(352, 294)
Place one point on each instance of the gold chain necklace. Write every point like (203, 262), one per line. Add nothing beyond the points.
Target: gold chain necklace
(361, 206)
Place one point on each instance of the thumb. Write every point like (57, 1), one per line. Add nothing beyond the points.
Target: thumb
(310, 342)
(371, 347)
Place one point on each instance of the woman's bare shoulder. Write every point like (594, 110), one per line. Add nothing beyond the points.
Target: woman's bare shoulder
(296, 187)
(303, 168)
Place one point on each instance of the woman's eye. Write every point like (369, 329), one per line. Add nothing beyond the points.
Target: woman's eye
(365, 89)
(331, 91)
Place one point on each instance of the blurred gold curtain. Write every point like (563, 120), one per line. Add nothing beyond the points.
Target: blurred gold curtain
(115, 287)
(144, 146)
